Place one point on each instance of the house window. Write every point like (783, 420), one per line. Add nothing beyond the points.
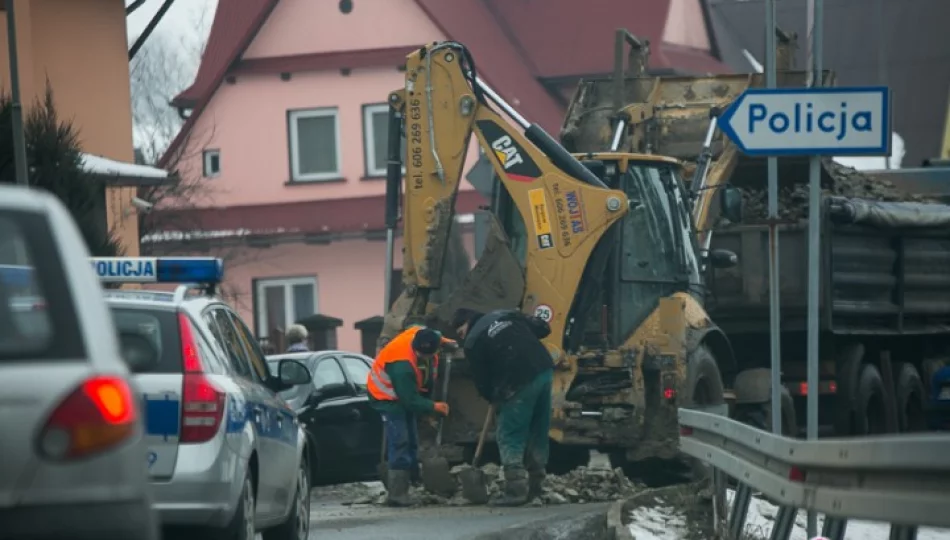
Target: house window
(212, 163)
(314, 145)
(376, 139)
(282, 302)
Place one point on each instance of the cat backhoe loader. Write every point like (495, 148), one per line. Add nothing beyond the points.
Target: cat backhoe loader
(601, 245)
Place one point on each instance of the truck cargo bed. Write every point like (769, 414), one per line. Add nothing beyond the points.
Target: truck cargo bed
(872, 280)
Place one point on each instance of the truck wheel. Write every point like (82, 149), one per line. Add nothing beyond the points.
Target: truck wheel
(909, 390)
(873, 414)
(760, 416)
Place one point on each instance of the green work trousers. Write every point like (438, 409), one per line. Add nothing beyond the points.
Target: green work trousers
(523, 424)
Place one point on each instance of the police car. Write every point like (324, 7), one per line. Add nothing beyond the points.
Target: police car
(226, 455)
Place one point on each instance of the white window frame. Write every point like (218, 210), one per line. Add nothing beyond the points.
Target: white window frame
(287, 284)
(206, 165)
(292, 118)
(369, 141)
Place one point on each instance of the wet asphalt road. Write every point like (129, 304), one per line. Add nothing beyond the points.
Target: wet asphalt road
(332, 521)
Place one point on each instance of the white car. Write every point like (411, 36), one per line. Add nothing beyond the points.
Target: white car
(226, 455)
(71, 449)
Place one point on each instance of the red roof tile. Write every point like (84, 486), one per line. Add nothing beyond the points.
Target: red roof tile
(318, 216)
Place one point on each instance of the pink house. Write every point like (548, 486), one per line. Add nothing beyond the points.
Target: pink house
(286, 128)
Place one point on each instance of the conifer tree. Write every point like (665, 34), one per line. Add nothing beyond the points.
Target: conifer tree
(55, 164)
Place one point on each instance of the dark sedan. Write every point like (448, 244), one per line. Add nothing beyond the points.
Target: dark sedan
(345, 432)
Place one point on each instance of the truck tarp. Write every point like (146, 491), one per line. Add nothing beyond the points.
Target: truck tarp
(888, 215)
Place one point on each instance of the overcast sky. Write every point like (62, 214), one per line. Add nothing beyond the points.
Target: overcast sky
(186, 22)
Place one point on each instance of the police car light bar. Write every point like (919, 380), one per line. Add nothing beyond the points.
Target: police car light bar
(14, 275)
(158, 269)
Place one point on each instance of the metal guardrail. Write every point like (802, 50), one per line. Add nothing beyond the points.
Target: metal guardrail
(903, 480)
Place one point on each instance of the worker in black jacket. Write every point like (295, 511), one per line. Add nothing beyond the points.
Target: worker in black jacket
(514, 371)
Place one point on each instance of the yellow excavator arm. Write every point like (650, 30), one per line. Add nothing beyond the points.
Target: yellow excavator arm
(565, 207)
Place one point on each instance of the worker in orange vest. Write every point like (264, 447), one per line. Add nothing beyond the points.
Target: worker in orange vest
(404, 370)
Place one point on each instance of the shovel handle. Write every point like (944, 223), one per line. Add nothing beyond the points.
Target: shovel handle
(481, 436)
(445, 398)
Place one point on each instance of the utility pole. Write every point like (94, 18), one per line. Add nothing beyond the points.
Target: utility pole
(816, 71)
(16, 105)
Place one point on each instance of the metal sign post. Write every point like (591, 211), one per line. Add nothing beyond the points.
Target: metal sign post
(16, 102)
(815, 67)
(775, 338)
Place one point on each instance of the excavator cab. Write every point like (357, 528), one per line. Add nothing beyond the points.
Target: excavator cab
(649, 254)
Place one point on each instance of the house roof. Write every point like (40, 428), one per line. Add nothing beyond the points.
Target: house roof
(326, 216)
(516, 43)
(917, 49)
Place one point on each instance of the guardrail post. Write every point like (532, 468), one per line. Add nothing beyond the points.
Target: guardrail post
(784, 523)
(903, 532)
(719, 502)
(834, 528)
(740, 509)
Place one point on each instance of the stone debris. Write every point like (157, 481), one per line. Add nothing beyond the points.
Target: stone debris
(582, 485)
(845, 182)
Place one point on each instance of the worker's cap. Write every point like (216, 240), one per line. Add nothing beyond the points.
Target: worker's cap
(426, 341)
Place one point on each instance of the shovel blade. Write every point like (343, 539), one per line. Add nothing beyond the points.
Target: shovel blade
(437, 477)
(474, 487)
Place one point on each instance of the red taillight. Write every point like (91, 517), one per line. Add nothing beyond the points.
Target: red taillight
(97, 416)
(796, 475)
(686, 431)
(202, 405)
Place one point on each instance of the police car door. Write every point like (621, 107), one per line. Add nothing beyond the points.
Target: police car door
(256, 398)
(282, 432)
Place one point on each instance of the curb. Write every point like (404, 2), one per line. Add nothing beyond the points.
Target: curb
(590, 525)
(615, 521)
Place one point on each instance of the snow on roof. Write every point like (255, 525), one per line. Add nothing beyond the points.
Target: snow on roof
(104, 166)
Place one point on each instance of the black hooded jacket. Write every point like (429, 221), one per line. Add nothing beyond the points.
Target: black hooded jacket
(505, 352)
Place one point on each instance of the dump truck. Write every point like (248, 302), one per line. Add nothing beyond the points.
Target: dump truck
(885, 246)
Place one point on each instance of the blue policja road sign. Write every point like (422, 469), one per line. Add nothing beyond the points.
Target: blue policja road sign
(810, 121)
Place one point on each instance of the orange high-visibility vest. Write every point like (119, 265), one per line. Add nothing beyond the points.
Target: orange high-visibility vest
(398, 349)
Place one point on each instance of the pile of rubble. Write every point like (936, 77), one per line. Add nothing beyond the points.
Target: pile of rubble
(582, 485)
(845, 182)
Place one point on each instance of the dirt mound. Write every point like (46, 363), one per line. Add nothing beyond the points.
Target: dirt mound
(845, 182)
(582, 485)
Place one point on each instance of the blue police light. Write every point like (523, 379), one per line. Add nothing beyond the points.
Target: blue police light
(158, 269)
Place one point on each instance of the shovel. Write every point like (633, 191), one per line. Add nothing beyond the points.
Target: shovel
(436, 475)
(474, 487)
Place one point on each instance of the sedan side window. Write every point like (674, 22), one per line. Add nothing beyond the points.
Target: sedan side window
(327, 372)
(231, 344)
(254, 354)
(357, 369)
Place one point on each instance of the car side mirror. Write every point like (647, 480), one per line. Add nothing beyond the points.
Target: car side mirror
(293, 373)
(730, 204)
(139, 353)
(723, 258)
(330, 391)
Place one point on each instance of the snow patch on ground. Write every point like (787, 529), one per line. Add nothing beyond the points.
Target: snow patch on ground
(658, 523)
(762, 516)
(664, 522)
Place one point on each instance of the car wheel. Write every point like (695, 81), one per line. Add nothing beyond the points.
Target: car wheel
(242, 525)
(297, 526)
